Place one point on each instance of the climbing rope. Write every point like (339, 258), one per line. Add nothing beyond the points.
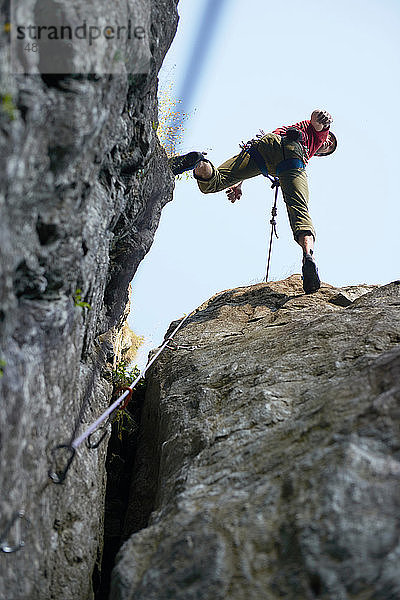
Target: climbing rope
(251, 149)
(274, 212)
(63, 454)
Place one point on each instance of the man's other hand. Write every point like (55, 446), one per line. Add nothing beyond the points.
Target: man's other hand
(234, 192)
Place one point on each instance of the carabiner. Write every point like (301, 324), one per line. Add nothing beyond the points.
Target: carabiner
(5, 545)
(94, 439)
(62, 455)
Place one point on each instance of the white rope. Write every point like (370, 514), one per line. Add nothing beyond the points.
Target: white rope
(78, 441)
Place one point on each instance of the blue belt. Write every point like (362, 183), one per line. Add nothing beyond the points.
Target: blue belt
(256, 156)
(290, 163)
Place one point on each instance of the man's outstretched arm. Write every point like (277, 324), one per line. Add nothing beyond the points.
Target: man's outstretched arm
(321, 119)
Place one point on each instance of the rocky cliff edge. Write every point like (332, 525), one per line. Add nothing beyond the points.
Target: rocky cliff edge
(269, 464)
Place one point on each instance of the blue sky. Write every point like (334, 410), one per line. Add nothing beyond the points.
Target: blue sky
(271, 64)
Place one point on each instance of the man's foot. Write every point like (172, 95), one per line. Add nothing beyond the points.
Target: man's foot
(311, 280)
(186, 162)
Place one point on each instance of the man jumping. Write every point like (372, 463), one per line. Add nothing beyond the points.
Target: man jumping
(283, 153)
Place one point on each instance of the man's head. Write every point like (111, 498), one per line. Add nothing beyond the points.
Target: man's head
(327, 147)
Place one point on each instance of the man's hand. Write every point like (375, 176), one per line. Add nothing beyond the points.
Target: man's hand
(235, 192)
(321, 119)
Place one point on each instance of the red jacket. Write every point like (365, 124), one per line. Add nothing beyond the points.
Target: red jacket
(312, 139)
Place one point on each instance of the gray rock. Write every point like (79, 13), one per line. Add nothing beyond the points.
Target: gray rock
(71, 219)
(269, 462)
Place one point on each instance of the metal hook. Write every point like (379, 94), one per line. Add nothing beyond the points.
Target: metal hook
(63, 455)
(176, 346)
(275, 182)
(93, 443)
(127, 399)
(172, 345)
(17, 520)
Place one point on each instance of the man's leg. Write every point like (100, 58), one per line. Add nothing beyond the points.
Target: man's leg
(311, 280)
(295, 192)
(211, 179)
(185, 162)
(306, 241)
(203, 170)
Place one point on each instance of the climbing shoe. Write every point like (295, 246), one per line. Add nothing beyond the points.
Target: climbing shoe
(311, 280)
(186, 162)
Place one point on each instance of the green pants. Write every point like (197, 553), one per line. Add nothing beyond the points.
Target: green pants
(293, 182)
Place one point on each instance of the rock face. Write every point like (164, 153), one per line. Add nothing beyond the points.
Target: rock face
(269, 461)
(82, 184)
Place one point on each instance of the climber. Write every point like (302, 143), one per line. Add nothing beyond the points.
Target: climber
(283, 153)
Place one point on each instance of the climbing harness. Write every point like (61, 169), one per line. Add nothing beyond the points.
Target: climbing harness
(289, 163)
(63, 454)
(256, 156)
(16, 528)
